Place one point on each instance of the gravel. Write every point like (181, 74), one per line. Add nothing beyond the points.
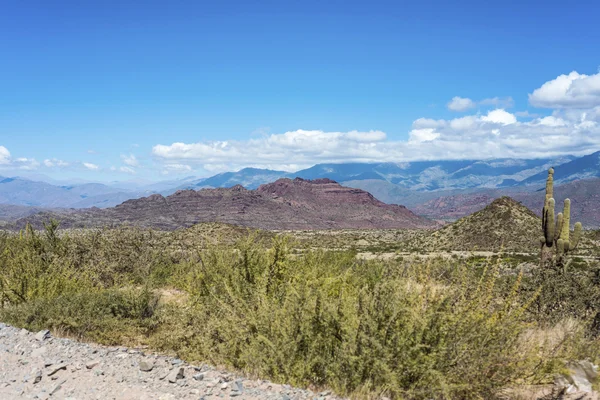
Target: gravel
(40, 366)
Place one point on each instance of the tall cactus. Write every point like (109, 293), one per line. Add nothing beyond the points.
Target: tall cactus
(556, 228)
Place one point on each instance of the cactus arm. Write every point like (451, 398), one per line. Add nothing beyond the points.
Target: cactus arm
(564, 235)
(576, 236)
(559, 226)
(549, 229)
(550, 185)
(560, 247)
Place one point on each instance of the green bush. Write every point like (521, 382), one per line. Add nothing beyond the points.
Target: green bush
(407, 329)
(359, 327)
(108, 316)
(567, 292)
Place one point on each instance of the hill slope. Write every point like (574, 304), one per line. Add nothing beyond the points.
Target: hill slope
(505, 223)
(284, 204)
(584, 195)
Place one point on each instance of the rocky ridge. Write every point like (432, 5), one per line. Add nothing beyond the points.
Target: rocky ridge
(284, 204)
(39, 366)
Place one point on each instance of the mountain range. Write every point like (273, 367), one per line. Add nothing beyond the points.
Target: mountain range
(444, 190)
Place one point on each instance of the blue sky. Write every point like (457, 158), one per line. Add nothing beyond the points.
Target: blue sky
(110, 90)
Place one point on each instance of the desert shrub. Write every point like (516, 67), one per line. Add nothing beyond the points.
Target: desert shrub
(404, 328)
(363, 327)
(566, 292)
(33, 265)
(106, 316)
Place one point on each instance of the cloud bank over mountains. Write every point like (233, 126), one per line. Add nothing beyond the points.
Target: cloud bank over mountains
(573, 127)
(486, 129)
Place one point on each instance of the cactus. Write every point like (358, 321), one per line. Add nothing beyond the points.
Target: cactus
(548, 224)
(567, 220)
(556, 228)
(549, 185)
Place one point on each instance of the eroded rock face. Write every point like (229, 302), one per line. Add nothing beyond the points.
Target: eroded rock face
(284, 204)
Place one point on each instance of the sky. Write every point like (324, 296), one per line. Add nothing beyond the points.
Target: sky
(154, 90)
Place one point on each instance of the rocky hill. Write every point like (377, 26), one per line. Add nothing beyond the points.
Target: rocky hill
(505, 223)
(284, 204)
(584, 195)
(456, 206)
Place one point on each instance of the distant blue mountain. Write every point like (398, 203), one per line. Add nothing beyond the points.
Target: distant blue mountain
(436, 175)
(21, 191)
(578, 168)
(340, 172)
(393, 182)
(250, 178)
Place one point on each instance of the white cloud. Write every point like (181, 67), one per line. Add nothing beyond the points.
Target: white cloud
(54, 162)
(127, 170)
(572, 127)
(526, 114)
(23, 163)
(499, 102)
(4, 156)
(551, 121)
(464, 123)
(176, 169)
(495, 134)
(568, 91)
(423, 135)
(461, 104)
(464, 103)
(91, 166)
(130, 160)
(500, 116)
(428, 123)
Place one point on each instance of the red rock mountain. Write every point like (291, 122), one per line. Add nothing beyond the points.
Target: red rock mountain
(284, 204)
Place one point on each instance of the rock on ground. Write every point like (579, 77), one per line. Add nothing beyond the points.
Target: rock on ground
(39, 366)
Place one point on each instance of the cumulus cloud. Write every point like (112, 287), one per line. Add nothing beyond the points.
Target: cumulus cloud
(499, 116)
(54, 162)
(130, 160)
(498, 133)
(127, 170)
(177, 168)
(300, 147)
(91, 166)
(572, 126)
(568, 91)
(22, 163)
(4, 156)
(526, 114)
(423, 135)
(499, 102)
(461, 104)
